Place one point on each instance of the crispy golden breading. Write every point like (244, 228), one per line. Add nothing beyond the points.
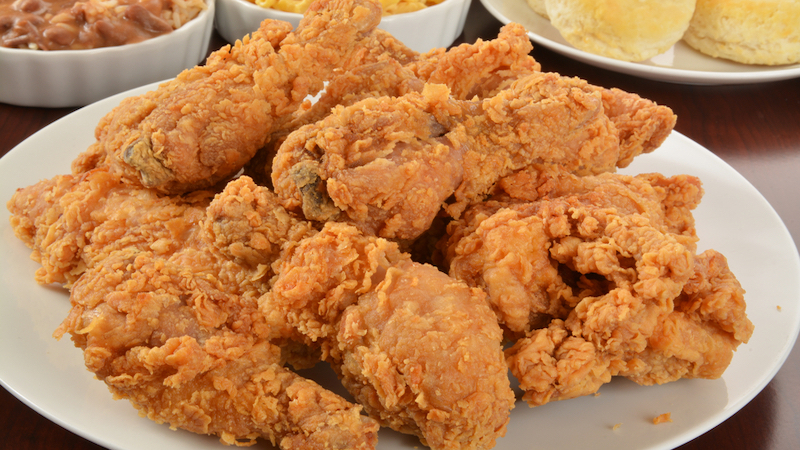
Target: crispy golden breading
(598, 277)
(224, 231)
(469, 70)
(195, 358)
(420, 350)
(203, 126)
(482, 68)
(390, 164)
(72, 221)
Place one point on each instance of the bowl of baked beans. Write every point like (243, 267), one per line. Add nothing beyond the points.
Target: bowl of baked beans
(64, 53)
(422, 25)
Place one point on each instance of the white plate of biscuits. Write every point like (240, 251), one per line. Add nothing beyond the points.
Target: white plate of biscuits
(680, 63)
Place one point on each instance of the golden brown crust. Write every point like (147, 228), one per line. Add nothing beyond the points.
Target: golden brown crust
(747, 31)
(629, 30)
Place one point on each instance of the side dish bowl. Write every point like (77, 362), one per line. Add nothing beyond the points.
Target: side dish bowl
(432, 27)
(66, 78)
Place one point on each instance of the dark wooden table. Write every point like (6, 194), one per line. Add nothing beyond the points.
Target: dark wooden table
(755, 128)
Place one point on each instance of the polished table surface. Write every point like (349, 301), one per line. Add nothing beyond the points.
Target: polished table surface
(754, 127)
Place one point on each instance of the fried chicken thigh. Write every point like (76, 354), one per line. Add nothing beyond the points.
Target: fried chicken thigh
(420, 350)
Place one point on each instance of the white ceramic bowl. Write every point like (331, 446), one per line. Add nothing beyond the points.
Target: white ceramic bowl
(79, 77)
(423, 30)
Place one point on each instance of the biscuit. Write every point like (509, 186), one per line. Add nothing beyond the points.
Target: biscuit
(629, 30)
(539, 7)
(747, 31)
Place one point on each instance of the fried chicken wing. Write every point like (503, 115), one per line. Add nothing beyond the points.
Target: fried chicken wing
(420, 350)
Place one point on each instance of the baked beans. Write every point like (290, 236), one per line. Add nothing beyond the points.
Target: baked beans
(74, 25)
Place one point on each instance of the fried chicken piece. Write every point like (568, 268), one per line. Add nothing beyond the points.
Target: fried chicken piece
(481, 69)
(180, 335)
(484, 69)
(406, 322)
(469, 70)
(202, 127)
(72, 221)
(420, 350)
(641, 270)
(698, 338)
(695, 339)
(246, 224)
(388, 165)
(183, 344)
(521, 254)
(382, 154)
(593, 277)
(152, 122)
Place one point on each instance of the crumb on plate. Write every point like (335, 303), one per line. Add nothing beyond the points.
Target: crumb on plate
(666, 417)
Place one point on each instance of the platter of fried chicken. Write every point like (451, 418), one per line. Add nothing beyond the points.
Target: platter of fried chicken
(322, 239)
